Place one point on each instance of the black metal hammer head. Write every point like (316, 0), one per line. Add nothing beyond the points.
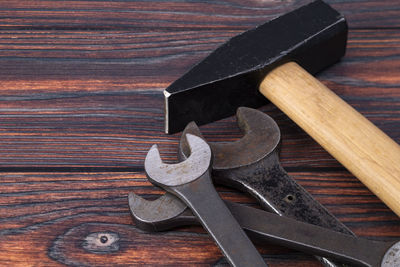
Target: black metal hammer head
(314, 36)
(261, 137)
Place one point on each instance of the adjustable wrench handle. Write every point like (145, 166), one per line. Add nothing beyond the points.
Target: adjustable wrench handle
(216, 218)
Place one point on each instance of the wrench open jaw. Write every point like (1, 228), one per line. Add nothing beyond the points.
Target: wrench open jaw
(161, 214)
(189, 170)
(261, 138)
(190, 181)
(267, 227)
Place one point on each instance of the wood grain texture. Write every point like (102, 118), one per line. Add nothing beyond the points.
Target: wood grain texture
(199, 14)
(62, 217)
(49, 61)
(72, 100)
(81, 103)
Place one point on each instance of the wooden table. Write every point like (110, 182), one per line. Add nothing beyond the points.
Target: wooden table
(81, 102)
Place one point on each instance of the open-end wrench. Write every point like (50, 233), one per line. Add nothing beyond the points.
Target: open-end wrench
(191, 182)
(251, 164)
(168, 212)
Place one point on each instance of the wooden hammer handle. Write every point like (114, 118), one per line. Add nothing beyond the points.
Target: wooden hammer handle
(353, 140)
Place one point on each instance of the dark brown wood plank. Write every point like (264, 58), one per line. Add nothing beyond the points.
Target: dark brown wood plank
(127, 60)
(61, 217)
(115, 131)
(94, 99)
(76, 61)
(81, 94)
(179, 14)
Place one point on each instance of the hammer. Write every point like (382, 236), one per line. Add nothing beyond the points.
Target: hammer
(275, 60)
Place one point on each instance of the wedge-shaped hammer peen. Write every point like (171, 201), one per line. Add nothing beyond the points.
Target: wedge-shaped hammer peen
(275, 60)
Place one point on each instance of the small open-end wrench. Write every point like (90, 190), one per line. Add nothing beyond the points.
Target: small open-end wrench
(251, 164)
(168, 212)
(191, 182)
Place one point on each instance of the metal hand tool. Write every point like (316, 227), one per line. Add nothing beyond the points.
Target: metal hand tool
(251, 164)
(190, 181)
(168, 212)
(274, 60)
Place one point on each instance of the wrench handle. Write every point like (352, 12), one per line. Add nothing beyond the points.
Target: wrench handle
(202, 198)
(268, 227)
(279, 193)
(354, 141)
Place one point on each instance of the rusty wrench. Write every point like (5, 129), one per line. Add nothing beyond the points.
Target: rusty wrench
(251, 164)
(191, 182)
(168, 212)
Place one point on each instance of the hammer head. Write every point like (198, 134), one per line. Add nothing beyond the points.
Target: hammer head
(314, 36)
